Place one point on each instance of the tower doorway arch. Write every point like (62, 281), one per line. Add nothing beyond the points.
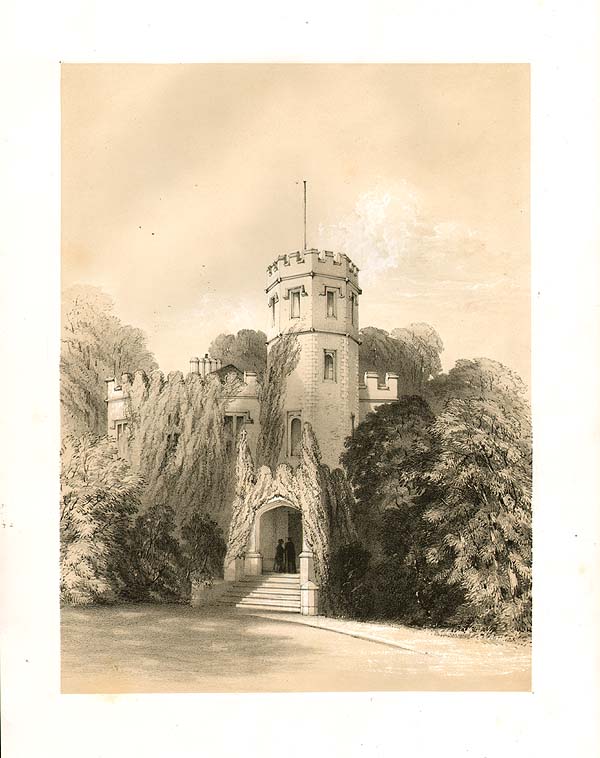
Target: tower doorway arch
(275, 520)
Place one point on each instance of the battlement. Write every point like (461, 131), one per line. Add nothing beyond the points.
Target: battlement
(312, 262)
(372, 391)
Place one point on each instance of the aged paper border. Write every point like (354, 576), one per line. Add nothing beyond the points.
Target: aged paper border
(560, 40)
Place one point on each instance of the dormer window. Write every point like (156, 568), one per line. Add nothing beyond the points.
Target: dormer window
(331, 304)
(295, 304)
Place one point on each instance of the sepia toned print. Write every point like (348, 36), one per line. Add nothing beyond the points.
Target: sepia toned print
(296, 435)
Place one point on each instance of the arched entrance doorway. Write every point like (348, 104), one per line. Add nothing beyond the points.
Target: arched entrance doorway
(275, 520)
(279, 523)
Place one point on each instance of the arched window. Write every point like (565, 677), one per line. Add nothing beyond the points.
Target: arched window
(295, 436)
(329, 372)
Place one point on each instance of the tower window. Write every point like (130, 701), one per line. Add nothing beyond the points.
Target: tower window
(329, 366)
(353, 307)
(273, 313)
(295, 436)
(331, 304)
(295, 304)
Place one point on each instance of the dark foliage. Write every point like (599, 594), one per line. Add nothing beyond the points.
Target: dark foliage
(154, 570)
(100, 494)
(348, 592)
(161, 567)
(247, 350)
(445, 502)
(380, 446)
(203, 548)
(412, 352)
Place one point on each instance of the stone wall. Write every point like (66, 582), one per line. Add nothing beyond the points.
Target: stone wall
(372, 393)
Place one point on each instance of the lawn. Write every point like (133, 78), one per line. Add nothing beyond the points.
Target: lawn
(177, 648)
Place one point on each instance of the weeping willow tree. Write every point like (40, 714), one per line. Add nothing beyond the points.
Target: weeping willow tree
(178, 443)
(282, 359)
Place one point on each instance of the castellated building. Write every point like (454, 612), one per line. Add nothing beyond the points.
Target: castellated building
(315, 294)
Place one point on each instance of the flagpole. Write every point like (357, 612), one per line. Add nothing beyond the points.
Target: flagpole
(305, 214)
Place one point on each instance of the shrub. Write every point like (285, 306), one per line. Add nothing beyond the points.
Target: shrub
(99, 495)
(348, 592)
(155, 568)
(203, 548)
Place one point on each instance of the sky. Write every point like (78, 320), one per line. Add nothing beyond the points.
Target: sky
(181, 183)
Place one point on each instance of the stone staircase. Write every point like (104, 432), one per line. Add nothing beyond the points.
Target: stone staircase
(268, 592)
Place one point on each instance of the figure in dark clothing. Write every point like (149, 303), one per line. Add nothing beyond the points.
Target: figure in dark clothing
(290, 556)
(279, 557)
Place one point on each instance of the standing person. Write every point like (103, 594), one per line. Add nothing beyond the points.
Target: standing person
(290, 556)
(279, 556)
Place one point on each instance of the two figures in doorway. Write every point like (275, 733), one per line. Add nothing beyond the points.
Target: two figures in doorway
(285, 557)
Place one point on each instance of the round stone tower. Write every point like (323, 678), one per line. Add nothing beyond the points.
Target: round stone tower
(315, 293)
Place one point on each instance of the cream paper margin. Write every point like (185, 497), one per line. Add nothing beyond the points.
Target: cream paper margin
(560, 39)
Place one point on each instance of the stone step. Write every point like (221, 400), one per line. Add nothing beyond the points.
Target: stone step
(289, 578)
(270, 603)
(285, 594)
(270, 608)
(267, 585)
(260, 598)
(285, 591)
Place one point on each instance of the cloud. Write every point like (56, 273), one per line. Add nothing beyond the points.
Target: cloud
(389, 235)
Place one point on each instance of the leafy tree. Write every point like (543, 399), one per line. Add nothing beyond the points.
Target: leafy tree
(375, 455)
(95, 345)
(350, 592)
(247, 350)
(475, 486)
(481, 378)
(99, 496)
(203, 548)
(402, 583)
(412, 352)
(155, 560)
(282, 360)
(420, 347)
(446, 501)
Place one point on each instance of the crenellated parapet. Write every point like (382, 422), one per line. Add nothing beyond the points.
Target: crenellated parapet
(372, 392)
(312, 263)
